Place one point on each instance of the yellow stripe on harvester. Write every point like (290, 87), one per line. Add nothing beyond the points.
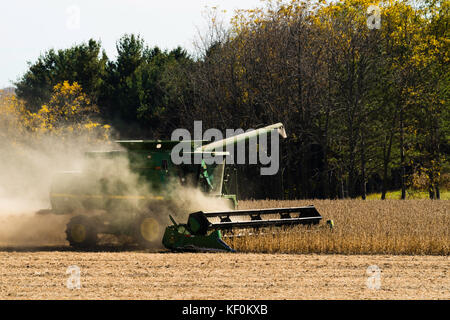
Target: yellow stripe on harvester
(94, 196)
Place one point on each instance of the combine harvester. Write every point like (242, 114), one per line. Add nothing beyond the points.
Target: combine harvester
(106, 205)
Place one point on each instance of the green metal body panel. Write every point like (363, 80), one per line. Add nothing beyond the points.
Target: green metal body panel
(177, 237)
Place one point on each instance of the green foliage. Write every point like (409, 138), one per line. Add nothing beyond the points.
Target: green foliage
(141, 85)
(410, 194)
(83, 63)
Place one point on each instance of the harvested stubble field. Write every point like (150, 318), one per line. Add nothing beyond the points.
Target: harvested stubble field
(407, 240)
(138, 275)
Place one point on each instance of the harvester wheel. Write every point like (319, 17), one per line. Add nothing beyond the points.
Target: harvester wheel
(148, 231)
(81, 232)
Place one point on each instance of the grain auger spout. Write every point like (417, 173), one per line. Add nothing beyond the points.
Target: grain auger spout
(242, 137)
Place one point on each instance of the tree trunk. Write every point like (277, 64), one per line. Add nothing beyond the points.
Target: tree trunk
(431, 187)
(384, 185)
(386, 159)
(363, 168)
(402, 155)
(342, 189)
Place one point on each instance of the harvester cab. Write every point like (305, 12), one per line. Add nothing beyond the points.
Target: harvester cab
(111, 195)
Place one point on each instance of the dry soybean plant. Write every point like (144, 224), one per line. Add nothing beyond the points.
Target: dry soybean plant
(417, 227)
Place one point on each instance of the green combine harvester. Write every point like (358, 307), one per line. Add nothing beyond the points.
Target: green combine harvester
(111, 196)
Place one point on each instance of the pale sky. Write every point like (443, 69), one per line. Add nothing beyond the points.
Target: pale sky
(29, 27)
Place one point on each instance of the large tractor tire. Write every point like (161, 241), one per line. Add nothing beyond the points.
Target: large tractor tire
(81, 232)
(148, 231)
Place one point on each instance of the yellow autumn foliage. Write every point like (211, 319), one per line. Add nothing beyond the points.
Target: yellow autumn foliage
(68, 113)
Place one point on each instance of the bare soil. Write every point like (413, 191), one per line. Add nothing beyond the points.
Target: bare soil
(40, 273)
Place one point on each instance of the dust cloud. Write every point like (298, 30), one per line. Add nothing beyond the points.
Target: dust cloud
(29, 165)
(27, 168)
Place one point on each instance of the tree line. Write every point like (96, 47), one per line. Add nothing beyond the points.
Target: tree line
(366, 108)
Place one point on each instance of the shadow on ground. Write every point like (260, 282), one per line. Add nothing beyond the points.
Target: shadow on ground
(98, 248)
